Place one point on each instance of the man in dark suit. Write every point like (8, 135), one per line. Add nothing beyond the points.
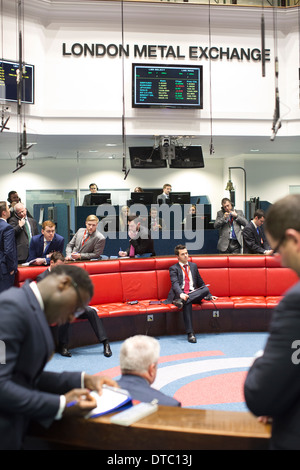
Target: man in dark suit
(254, 237)
(188, 288)
(25, 228)
(272, 386)
(138, 361)
(8, 250)
(41, 246)
(140, 242)
(90, 313)
(87, 198)
(27, 392)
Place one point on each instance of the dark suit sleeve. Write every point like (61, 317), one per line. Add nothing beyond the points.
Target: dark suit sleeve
(10, 251)
(33, 249)
(176, 279)
(272, 385)
(250, 240)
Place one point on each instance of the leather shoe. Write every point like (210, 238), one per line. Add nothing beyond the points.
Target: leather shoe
(107, 350)
(192, 338)
(178, 303)
(63, 351)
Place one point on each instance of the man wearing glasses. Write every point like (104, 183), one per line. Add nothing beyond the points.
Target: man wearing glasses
(27, 392)
(272, 386)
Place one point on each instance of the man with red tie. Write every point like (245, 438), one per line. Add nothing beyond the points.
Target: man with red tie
(188, 288)
(87, 243)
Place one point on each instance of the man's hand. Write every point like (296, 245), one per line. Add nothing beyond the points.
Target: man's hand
(184, 296)
(79, 402)
(95, 382)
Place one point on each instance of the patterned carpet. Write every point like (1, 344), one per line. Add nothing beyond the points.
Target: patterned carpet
(208, 374)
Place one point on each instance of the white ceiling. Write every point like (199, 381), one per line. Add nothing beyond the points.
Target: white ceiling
(104, 147)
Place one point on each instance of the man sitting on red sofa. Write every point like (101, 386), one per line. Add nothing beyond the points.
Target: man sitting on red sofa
(188, 288)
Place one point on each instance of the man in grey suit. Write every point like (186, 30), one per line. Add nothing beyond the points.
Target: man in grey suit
(230, 221)
(87, 243)
(138, 361)
(25, 228)
(272, 386)
(164, 197)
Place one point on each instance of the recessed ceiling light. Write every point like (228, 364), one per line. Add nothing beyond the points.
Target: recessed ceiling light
(93, 151)
(254, 150)
(111, 145)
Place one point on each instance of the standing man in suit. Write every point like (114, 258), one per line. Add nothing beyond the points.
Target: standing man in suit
(272, 386)
(188, 288)
(8, 250)
(138, 362)
(87, 198)
(164, 197)
(90, 313)
(25, 228)
(41, 246)
(230, 221)
(87, 243)
(27, 392)
(254, 237)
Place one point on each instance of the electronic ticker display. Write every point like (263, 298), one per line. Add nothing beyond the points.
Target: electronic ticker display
(172, 86)
(8, 82)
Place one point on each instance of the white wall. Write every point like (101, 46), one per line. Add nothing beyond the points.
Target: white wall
(243, 101)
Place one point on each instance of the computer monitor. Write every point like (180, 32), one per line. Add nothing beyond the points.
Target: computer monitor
(146, 157)
(142, 198)
(180, 198)
(188, 157)
(100, 198)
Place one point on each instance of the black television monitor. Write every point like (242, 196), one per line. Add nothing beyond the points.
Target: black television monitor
(167, 86)
(188, 157)
(100, 198)
(8, 82)
(180, 198)
(146, 157)
(142, 198)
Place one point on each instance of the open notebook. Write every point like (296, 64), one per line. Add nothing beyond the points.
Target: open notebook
(112, 399)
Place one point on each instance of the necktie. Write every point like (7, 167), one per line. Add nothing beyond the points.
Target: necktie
(85, 237)
(186, 289)
(131, 251)
(46, 244)
(27, 230)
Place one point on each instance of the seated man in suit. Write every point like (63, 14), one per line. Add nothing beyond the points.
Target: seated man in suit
(254, 237)
(25, 228)
(87, 243)
(188, 288)
(140, 242)
(41, 246)
(87, 198)
(90, 313)
(164, 197)
(8, 250)
(138, 361)
(28, 392)
(230, 221)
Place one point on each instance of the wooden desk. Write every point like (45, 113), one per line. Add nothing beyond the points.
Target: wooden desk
(167, 429)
